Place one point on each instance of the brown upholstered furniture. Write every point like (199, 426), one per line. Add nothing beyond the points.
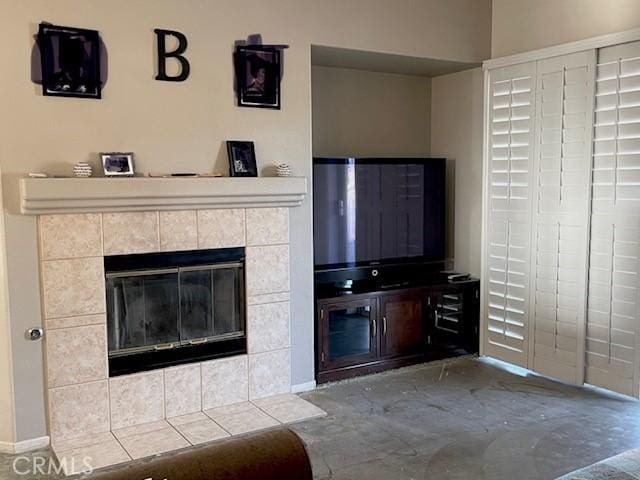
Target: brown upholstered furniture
(270, 455)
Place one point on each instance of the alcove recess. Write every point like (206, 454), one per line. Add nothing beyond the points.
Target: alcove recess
(372, 104)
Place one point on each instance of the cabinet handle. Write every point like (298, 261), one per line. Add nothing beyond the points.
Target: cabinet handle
(375, 327)
(384, 325)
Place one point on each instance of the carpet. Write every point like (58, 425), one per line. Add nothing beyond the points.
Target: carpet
(625, 466)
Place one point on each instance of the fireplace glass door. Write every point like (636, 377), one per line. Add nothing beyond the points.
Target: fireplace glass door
(159, 309)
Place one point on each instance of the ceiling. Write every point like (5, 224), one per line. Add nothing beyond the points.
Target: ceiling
(384, 62)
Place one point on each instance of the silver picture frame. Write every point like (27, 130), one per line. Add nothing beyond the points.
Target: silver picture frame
(117, 164)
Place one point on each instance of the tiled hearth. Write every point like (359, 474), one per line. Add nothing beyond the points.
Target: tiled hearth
(175, 433)
(127, 417)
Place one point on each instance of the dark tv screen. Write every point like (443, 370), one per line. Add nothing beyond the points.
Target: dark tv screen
(369, 211)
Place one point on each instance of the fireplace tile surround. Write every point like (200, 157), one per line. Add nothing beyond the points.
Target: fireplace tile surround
(83, 400)
(182, 390)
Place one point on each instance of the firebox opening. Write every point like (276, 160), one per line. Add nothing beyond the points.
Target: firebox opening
(172, 308)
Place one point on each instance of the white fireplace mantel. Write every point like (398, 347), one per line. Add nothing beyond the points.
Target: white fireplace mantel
(39, 196)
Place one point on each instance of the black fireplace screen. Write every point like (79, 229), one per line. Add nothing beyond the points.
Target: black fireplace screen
(166, 309)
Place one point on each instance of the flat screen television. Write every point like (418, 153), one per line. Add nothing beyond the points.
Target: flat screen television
(378, 211)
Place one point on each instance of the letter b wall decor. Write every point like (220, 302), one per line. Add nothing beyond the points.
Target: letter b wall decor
(178, 54)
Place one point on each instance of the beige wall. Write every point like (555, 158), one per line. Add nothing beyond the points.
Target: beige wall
(360, 113)
(456, 133)
(523, 25)
(182, 127)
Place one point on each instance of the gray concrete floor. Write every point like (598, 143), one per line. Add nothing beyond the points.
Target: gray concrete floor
(462, 419)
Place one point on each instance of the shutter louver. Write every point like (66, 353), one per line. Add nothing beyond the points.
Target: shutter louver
(511, 116)
(614, 269)
(561, 214)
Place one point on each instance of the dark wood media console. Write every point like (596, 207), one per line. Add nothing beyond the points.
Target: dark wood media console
(372, 328)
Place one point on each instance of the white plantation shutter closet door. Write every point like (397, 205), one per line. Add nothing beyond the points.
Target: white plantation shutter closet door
(562, 166)
(614, 270)
(510, 153)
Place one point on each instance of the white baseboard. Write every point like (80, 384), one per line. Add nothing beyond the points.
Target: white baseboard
(24, 445)
(303, 387)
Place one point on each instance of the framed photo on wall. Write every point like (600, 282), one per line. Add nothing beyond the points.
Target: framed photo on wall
(70, 60)
(242, 159)
(258, 76)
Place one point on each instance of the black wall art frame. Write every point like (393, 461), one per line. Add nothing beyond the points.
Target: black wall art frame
(242, 159)
(70, 60)
(258, 76)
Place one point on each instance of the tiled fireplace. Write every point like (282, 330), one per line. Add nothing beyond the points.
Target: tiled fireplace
(87, 405)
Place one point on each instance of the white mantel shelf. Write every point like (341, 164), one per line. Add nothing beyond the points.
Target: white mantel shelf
(41, 196)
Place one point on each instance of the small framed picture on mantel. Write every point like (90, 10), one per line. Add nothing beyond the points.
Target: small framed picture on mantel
(117, 164)
(242, 159)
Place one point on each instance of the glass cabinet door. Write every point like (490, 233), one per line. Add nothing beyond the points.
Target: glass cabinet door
(350, 333)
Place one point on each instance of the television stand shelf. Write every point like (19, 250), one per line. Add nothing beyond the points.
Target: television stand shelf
(374, 328)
